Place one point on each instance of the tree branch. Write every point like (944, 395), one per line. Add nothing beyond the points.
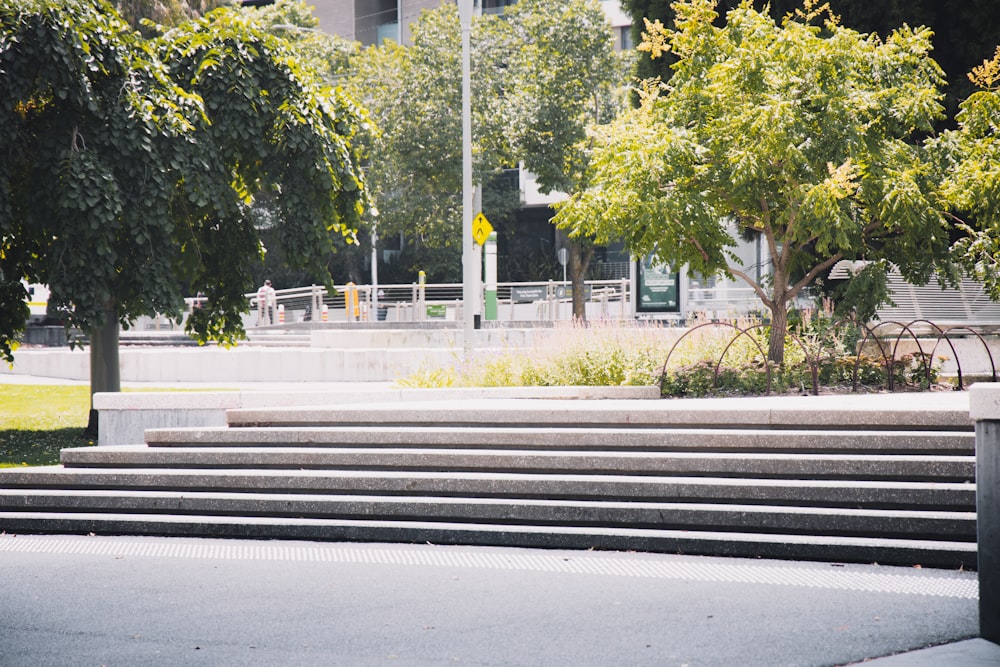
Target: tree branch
(809, 277)
(787, 247)
(758, 290)
(768, 231)
(697, 246)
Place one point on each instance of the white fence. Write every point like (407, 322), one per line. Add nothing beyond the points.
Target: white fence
(548, 301)
(516, 302)
(605, 299)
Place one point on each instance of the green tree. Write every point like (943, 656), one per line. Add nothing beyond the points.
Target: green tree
(274, 134)
(647, 67)
(327, 55)
(965, 31)
(805, 133)
(971, 155)
(163, 12)
(129, 167)
(413, 94)
(563, 73)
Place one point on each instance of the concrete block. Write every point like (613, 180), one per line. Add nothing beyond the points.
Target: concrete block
(123, 417)
(984, 401)
(984, 407)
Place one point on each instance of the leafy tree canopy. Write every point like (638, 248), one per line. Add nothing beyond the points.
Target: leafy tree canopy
(413, 94)
(166, 12)
(965, 30)
(806, 133)
(971, 155)
(326, 54)
(130, 165)
(564, 74)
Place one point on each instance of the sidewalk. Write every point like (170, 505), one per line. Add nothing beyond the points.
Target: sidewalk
(166, 601)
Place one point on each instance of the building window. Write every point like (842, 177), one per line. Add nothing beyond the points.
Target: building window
(625, 38)
(496, 6)
(387, 31)
(375, 20)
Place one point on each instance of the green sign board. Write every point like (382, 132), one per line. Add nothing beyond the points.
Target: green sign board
(436, 310)
(657, 287)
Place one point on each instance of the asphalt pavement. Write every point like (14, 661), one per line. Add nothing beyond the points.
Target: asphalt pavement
(100, 600)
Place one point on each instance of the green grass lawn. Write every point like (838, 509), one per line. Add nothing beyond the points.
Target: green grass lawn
(36, 421)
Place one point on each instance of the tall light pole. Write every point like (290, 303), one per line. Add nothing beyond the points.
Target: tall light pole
(469, 264)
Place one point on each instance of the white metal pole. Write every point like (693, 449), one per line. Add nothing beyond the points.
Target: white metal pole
(469, 267)
(374, 294)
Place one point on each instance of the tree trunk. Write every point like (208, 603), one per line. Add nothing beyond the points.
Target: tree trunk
(579, 260)
(779, 327)
(105, 373)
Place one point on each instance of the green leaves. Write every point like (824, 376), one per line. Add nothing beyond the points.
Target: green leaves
(804, 133)
(127, 167)
(564, 73)
(971, 158)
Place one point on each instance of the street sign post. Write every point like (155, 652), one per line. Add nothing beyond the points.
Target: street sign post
(481, 229)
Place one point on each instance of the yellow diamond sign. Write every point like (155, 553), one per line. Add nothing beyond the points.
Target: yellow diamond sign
(481, 229)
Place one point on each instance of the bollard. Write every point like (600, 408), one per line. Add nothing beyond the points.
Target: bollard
(281, 313)
(988, 526)
(326, 313)
(984, 407)
(419, 307)
(351, 302)
(490, 305)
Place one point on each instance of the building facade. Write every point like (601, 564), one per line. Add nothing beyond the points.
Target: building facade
(371, 22)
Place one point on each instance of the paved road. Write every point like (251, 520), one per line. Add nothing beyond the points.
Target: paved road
(78, 600)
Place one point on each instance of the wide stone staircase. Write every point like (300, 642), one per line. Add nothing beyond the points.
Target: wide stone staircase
(755, 480)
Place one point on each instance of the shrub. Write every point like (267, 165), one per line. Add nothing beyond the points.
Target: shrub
(717, 359)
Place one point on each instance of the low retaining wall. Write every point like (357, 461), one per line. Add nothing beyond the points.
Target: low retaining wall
(332, 355)
(239, 364)
(124, 417)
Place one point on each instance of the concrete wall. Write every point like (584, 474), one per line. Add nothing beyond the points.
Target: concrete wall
(241, 364)
(333, 355)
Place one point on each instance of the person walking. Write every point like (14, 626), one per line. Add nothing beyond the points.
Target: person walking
(266, 299)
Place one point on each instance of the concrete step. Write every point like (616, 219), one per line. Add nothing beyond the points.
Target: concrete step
(908, 524)
(857, 479)
(738, 465)
(932, 496)
(574, 438)
(630, 414)
(933, 553)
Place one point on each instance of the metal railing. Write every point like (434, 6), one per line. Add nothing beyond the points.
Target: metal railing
(919, 348)
(527, 301)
